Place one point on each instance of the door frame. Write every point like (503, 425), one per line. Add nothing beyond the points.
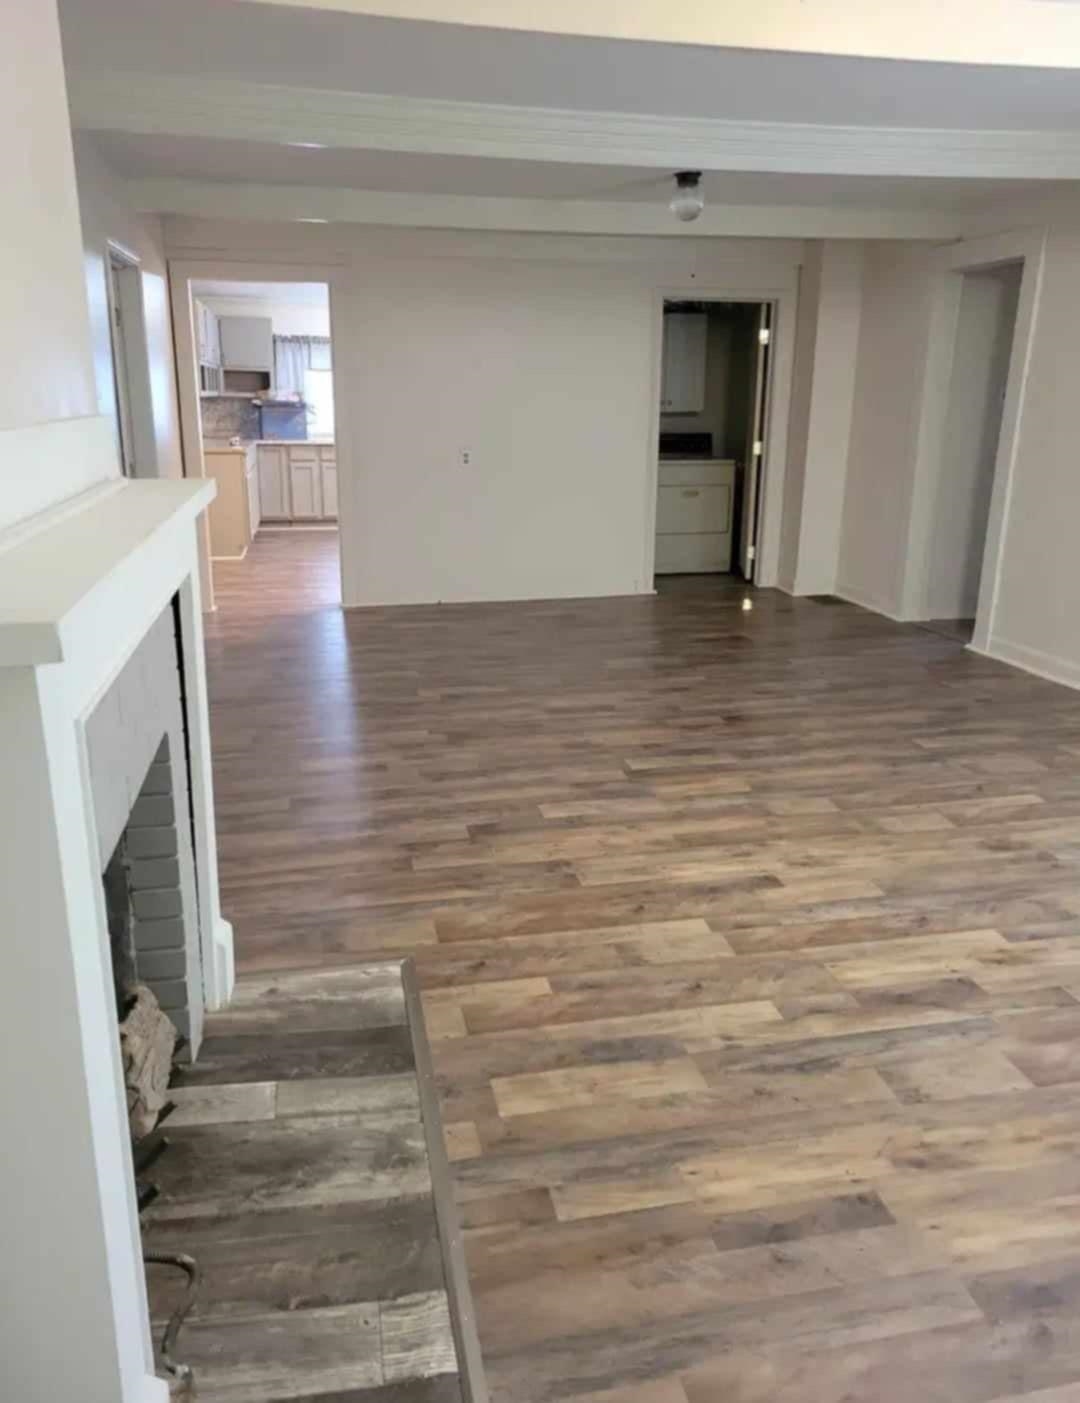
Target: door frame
(778, 397)
(1027, 247)
(182, 273)
(130, 361)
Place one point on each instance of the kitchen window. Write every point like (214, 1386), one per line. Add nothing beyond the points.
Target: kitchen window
(319, 395)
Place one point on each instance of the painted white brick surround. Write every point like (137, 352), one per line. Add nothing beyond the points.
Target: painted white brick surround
(135, 739)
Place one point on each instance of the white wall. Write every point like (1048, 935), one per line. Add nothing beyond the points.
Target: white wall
(543, 376)
(106, 216)
(46, 374)
(839, 311)
(535, 354)
(961, 502)
(823, 391)
(898, 291)
(1034, 617)
(1038, 605)
(802, 383)
(64, 1222)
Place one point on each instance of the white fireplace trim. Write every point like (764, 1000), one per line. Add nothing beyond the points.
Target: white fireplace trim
(77, 593)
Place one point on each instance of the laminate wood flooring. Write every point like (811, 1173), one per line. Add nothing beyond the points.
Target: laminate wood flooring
(749, 944)
(297, 1175)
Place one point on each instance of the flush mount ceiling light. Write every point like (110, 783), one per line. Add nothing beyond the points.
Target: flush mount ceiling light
(687, 201)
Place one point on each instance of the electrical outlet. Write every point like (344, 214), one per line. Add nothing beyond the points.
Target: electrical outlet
(465, 456)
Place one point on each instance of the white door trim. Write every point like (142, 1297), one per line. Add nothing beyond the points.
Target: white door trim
(182, 272)
(778, 390)
(123, 294)
(1025, 246)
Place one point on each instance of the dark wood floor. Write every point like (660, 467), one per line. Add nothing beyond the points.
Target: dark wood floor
(749, 939)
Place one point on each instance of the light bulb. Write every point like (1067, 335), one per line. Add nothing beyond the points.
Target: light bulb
(687, 201)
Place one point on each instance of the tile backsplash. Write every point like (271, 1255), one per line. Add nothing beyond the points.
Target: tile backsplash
(223, 417)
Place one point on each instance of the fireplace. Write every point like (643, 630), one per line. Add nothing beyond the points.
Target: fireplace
(137, 739)
(107, 826)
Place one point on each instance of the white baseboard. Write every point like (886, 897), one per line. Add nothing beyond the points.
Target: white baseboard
(150, 1389)
(865, 600)
(1034, 660)
(224, 965)
(804, 585)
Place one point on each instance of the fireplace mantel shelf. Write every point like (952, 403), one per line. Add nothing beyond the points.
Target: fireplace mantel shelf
(49, 573)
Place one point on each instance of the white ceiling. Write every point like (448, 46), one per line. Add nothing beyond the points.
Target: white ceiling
(361, 53)
(200, 158)
(284, 294)
(209, 94)
(1035, 32)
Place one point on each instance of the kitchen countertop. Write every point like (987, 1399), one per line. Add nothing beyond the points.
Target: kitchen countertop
(214, 445)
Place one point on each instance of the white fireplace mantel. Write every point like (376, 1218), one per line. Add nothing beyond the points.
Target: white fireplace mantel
(80, 586)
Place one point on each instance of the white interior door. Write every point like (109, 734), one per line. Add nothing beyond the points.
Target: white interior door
(755, 447)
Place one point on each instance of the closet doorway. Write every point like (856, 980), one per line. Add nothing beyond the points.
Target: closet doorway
(985, 333)
(715, 367)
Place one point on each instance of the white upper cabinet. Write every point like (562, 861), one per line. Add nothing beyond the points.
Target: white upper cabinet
(206, 335)
(247, 343)
(682, 379)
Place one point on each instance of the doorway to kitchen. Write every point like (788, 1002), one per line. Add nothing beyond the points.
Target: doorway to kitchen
(715, 365)
(267, 428)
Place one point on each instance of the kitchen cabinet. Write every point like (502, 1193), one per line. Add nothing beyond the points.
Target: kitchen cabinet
(233, 513)
(682, 375)
(328, 482)
(304, 484)
(694, 514)
(251, 473)
(247, 343)
(273, 482)
(207, 335)
(247, 355)
(298, 481)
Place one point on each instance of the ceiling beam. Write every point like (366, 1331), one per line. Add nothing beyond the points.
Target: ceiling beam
(223, 108)
(217, 200)
(1025, 33)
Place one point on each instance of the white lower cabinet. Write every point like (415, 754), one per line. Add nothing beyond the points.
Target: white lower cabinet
(298, 482)
(328, 482)
(253, 495)
(304, 486)
(273, 483)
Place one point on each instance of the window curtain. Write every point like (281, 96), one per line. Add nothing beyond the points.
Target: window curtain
(293, 355)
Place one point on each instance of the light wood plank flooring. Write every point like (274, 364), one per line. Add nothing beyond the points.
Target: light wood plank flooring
(749, 943)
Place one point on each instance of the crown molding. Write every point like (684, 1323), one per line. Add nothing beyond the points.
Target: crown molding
(220, 108)
(318, 204)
